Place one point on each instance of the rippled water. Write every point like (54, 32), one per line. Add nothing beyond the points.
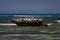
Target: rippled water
(52, 32)
(47, 17)
(9, 32)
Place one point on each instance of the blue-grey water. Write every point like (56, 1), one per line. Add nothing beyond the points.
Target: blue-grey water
(51, 32)
(46, 17)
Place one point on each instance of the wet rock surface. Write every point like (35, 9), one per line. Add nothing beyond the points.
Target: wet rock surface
(27, 21)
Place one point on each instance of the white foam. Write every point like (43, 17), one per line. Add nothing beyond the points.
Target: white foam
(7, 24)
(57, 20)
(49, 24)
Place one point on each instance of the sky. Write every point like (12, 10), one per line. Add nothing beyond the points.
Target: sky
(29, 6)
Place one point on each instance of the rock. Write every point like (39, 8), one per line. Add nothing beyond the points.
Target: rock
(31, 21)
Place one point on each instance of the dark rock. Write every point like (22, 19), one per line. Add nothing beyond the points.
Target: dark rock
(32, 21)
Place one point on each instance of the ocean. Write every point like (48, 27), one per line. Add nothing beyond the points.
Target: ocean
(14, 32)
(47, 17)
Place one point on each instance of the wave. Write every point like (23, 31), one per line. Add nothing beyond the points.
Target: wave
(32, 15)
(46, 17)
(57, 20)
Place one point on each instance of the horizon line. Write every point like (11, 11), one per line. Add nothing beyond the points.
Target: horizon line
(25, 14)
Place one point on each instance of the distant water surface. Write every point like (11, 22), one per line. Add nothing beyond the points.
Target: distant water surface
(47, 17)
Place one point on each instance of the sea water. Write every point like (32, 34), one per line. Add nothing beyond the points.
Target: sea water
(52, 31)
(47, 17)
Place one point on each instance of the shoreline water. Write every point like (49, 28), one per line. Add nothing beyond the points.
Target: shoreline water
(12, 26)
(8, 28)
